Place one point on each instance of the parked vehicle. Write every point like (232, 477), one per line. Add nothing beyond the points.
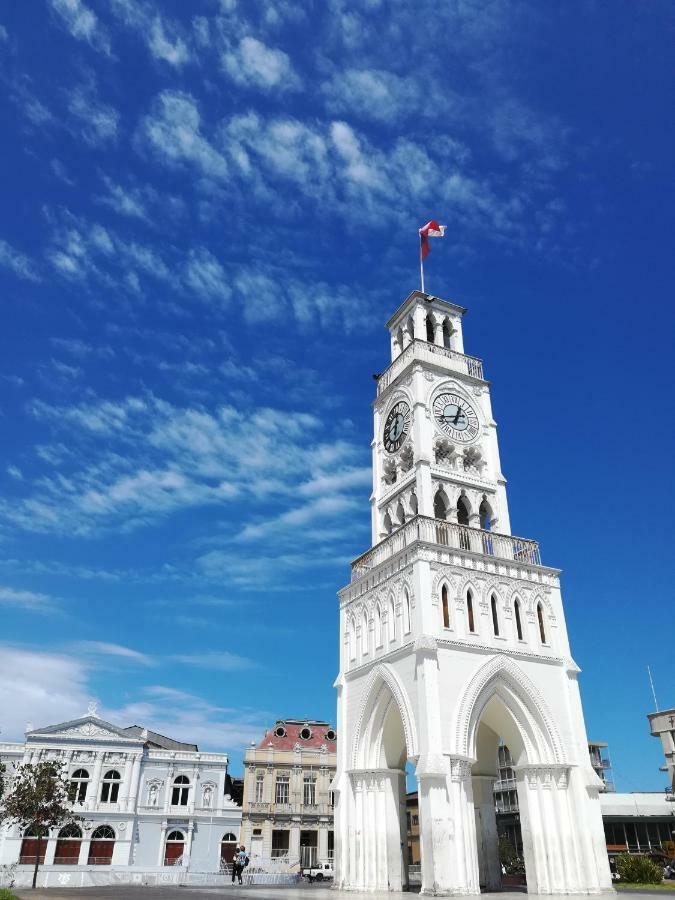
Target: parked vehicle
(319, 872)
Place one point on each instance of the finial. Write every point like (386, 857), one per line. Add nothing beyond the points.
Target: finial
(92, 708)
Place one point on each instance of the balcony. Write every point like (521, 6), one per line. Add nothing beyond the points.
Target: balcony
(431, 353)
(447, 534)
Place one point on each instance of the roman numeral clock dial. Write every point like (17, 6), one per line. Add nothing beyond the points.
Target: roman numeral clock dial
(397, 427)
(456, 418)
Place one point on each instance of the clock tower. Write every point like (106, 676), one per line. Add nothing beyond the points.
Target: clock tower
(453, 639)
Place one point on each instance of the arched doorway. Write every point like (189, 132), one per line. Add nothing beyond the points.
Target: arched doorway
(102, 846)
(68, 846)
(227, 847)
(174, 847)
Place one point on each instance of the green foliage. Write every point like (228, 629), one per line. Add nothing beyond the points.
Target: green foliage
(509, 858)
(635, 869)
(38, 799)
(7, 895)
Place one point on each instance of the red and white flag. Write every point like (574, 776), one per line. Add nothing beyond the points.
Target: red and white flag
(431, 229)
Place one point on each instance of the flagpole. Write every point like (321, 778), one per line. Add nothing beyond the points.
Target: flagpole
(421, 264)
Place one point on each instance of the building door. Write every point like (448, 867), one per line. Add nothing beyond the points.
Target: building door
(309, 848)
(227, 845)
(256, 846)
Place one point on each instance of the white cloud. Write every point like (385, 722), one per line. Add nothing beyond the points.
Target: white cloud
(118, 651)
(17, 262)
(172, 131)
(4, 35)
(26, 599)
(217, 660)
(205, 277)
(82, 23)
(162, 47)
(98, 121)
(375, 94)
(252, 63)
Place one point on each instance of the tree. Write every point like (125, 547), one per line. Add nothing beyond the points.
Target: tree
(508, 856)
(38, 799)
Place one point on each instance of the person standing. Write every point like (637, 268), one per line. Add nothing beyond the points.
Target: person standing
(242, 861)
(236, 870)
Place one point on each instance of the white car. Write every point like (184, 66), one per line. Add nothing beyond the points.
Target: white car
(319, 872)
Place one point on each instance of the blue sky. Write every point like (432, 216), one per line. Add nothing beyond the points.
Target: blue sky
(208, 212)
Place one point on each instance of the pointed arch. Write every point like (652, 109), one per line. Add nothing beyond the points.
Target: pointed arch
(352, 638)
(495, 614)
(541, 623)
(378, 624)
(445, 605)
(391, 619)
(364, 634)
(518, 618)
(383, 687)
(441, 504)
(500, 676)
(407, 616)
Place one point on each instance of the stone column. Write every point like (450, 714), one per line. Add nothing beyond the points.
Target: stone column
(294, 843)
(94, 789)
(85, 844)
(162, 844)
(489, 867)
(438, 333)
(323, 843)
(135, 782)
(188, 845)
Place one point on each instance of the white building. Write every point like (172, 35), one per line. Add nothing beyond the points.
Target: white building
(453, 637)
(662, 725)
(146, 801)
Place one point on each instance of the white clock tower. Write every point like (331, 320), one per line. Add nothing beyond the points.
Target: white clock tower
(453, 638)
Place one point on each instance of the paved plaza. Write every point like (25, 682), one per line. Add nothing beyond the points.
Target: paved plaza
(301, 892)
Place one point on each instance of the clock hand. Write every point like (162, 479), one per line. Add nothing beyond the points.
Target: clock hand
(456, 419)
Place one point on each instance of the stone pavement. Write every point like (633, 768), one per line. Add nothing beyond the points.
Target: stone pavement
(301, 892)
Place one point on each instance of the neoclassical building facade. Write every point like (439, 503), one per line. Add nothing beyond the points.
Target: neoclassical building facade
(453, 639)
(144, 801)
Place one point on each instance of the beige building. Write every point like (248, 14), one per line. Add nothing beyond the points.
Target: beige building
(662, 725)
(288, 803)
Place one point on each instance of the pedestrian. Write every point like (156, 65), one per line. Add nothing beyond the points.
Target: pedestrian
(242, 862)
(236, 871)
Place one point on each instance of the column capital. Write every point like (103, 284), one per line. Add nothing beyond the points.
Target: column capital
(545, 775)
(425, 645)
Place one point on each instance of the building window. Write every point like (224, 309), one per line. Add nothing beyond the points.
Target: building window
(540, 619)
(111, 787)
(280, 843)
(446, 606)
(331, 799)
(430, 329)
(102, 846)
(174, 847)
(227, 847)
(495, 615)
(391, 620)
(68, 846)
(29, 845)
(469, 612)
(406, 611)
(281, 789)
(259, 787)
(352, 638)
(378, 626)
(309, 790)
(77, 792)
(331, 845)
(519, 624)
(181, 791)
(364, 635)
(306, 733)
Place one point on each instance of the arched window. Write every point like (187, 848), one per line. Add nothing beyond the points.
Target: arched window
(441, 505)
(469, 612)
(386, 523)
(519, 624)
(430, 329)
(413, 504)
(352, 638)
(364, 634)
(180, 791)
(406, 611)
(391, 620)
(227, 847)
(77, 790)
(29, 845)
(173, 849)
(102, 846)
(540, 620)
(67, 850)
(110, 788)
(446, 606)
(400, 514)
(447, 331)
(495, 615)
(463, 511)
(485, 515)
(378, 626)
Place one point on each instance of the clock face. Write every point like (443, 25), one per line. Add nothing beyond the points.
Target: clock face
(455, 417)
(396, 427)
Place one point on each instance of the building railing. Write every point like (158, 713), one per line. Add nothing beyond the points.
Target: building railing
(504, 784)
(507, 808)
(425, 350)
(447, 534)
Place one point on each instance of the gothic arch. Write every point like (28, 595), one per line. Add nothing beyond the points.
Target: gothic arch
(438, 581)
(500, 676)
(545, 602)
(382, 687)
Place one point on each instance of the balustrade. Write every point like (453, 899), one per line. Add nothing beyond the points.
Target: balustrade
(424, 350)
(447, 534)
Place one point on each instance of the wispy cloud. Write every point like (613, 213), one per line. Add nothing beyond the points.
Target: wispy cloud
(26, 599)
(82, 23)
(253, 64)
(118, 651)
(17, 262)
(165, 39)
(220, 661)
(95, 120)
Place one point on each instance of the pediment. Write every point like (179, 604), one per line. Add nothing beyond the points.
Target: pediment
(88, 728)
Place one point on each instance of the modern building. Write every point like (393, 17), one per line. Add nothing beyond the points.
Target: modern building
(662, 725)
(145, 801)
(638, 823)
(288, 800)
(452, 636)
(412, 814)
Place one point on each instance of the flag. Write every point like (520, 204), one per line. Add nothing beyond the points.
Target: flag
(431, 229)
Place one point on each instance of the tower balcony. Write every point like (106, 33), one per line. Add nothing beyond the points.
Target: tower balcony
(425, 351)
(438, 532)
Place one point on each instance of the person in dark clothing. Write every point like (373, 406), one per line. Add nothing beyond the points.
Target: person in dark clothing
(236, 867)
